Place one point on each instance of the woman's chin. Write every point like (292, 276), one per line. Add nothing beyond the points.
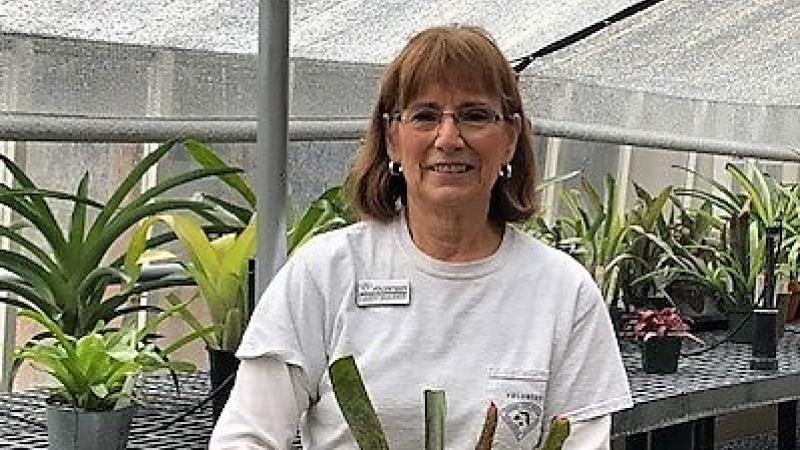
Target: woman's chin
(452, 198)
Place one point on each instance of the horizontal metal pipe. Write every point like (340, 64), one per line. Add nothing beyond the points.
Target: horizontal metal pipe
(62, 128)
(660, 140)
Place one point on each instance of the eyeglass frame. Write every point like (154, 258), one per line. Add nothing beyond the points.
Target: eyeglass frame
(398, 116)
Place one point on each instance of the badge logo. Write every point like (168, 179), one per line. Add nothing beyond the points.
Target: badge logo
(521, 418)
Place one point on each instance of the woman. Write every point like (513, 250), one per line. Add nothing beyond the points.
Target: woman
(433, 288)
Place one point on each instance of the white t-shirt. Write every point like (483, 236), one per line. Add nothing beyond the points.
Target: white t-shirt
(524, 328)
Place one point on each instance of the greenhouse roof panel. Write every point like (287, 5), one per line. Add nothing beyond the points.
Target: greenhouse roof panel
(344, 30)
(735, 50)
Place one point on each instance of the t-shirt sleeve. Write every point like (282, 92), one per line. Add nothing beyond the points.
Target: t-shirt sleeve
(588, 379)
(288, 323)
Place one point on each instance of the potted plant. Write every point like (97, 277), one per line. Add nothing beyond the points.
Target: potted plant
(699, 286)
(595, 233)
(762, 203)
(62, 272)
(92, 404)
(640, 281)
(661, 332)
(219, 267)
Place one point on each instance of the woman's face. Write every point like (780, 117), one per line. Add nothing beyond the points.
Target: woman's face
(448, 164)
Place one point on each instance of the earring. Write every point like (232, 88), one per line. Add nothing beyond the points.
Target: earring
(395, 169)
(505, 171)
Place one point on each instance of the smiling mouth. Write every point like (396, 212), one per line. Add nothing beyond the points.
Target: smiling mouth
(450, 168)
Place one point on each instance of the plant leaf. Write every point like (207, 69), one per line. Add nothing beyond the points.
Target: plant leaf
(435, 413)
(206, 157)
(355, 405)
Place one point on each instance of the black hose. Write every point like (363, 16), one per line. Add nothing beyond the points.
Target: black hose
(725, 338)
(521, 63)
(214, 393)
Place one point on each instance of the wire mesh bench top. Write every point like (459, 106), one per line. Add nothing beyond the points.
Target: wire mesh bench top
(23, 417)
(713, 383)
(709, 384)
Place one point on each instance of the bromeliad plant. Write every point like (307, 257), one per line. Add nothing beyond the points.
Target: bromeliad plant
(762, 203)
(358, 412)
(650, 323)
(64, 277)
(219, 267)
(650, 234)
(328, 212)
(97, 371)
(595, 233)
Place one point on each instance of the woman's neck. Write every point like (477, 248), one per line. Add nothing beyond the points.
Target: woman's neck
(454, 236)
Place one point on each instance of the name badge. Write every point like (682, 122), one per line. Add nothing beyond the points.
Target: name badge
(382, 293)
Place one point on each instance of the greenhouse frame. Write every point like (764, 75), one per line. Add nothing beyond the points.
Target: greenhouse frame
(696, 96)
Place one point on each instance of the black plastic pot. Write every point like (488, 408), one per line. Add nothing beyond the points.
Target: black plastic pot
(741, 324)
(71, 429)
(660, 354)
(223, 366)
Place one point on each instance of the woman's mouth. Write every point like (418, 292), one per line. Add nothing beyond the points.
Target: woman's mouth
(450, 168)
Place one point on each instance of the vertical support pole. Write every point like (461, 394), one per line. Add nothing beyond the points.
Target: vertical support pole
(160, 86)
(787, 425)
(624, 160)
(14, 95)
(719, 174)
(272, 136)
(790, 171)
(698, 124)
(551, 161)
(756, 132)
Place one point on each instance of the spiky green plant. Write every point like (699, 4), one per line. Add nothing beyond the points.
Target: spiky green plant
(218, 267)
(327, 212)
(97, 371)
(64, 277)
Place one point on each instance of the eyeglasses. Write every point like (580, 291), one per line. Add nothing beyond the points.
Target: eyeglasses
(469, 119)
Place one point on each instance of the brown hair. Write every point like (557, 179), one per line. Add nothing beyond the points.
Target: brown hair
(461, 56)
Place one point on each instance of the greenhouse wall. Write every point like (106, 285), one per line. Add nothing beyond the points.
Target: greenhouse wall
(54, 75)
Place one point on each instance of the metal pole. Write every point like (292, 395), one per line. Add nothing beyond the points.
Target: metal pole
(64, 128)
(272, 136)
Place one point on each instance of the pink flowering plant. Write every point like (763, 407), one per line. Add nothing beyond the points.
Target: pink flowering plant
(650, 323)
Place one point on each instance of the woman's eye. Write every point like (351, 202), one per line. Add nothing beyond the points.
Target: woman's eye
(476, 115)
(425, 115)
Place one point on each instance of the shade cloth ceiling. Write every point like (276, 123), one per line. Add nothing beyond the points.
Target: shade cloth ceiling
(737, 51)
(742, 51)
(344, 30)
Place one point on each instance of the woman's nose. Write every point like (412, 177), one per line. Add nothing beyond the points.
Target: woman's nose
(448, 135)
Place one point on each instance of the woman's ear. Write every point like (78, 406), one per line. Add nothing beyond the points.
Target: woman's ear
(389, 140)
(514, 129)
